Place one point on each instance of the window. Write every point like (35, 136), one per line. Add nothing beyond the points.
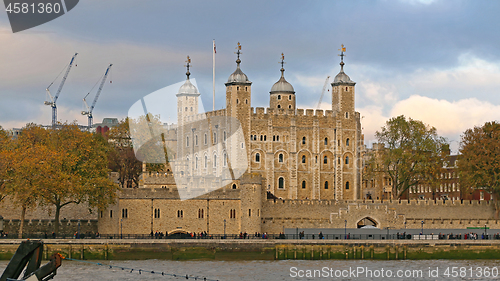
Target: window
(326, 141)
(274, 138)
(186, 109)
(303, 184)
(102, 213)
(232, 213)
(110, 213)
(196, 140)
(347, 115)
(200, 213)
(347, 142)
(249, 212)
(246, 101)
(157, 213)
(215, 138)
(191, 108)
(196, 162)
(187, 141)
(347, 160)
(281, 183)
(215, 161)
(346, 185)
(234, 186)
(264, 137)
(289, 106)
(237, 101)
(180, 214)
(339, 161)
(303, 140)
(124, 213)
(303, 159)
(277, 138)
(225, 136)
(205, 139)
(261, 137)
(279, 97)
(225, 159)
(326, 184)
(290, 97)
(279, 106)
(325, 160)
(257, 157)
(206, 161)
(280, 158)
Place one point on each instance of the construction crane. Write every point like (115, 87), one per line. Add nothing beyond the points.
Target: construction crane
(91, 108)
(323, 91)
(53, 100)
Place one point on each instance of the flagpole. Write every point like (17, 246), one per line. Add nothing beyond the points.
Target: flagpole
(213, 78)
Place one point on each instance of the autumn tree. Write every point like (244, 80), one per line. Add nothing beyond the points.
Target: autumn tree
(413, 154)
(27, 168)
(479, 164)
(5, 143)
(78, 171)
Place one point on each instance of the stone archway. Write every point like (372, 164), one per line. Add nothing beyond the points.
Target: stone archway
(367, 221)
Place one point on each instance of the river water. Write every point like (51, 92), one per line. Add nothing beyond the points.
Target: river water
(280, 270)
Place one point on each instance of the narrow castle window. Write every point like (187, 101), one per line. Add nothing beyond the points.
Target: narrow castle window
(238, 88)
(303, 184)
(289, 106)
(279, 97)
(279, 106)
(347, 115)
(215, 161)
(249, 212)
(206, 161)
(110, 213)
(281, 183)
(205, 139)
(303, 159)
(180, 214)
(326, 141)
(225, 136)
(264, 137)
(347, 160)
(274, 138)
(326, 184)
(191, 109)
(246, 88)
(196, 162)
(237, 101)
(187, 141)
(246, 101)
(257, 157)
(261, 137)
(234, 186)
(186, 109)
(280, 158)
(215, 138)
(277, 138)
(225, 159)
(303, 140)
(325, 160)
(347, 142)
(346, 88)
(196, 140)
(346, 185)
(290, 97)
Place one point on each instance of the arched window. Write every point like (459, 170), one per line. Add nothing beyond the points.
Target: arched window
(326, 184)
(347, 115)
(225, 136)
(303, 159)
(196, 139)
(215, 138)
(261, 137)
(257, 157)
(234, 186)
(326, 141)
(277, 138)
(290, 97)
(347, 142)
(325, 160)
(205, 139)
(225, 159)
(279, 97)
(280, 158)
(281, 183)
(346, 185)
(347, 160)
(303, 184)
(191, 108)
(264, 137)
(215, 161)
(303, 140)
(186, 109)
(279, 106)
(206, 161)
(187, 141)
(196, 162)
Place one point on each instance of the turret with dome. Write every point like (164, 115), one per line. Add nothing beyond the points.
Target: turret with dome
(282, 92)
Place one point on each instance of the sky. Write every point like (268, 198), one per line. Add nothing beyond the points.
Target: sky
(431, 60)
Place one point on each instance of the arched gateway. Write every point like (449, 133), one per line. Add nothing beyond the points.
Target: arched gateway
(367, 221)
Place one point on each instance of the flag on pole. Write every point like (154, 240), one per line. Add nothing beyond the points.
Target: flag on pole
(215, 50)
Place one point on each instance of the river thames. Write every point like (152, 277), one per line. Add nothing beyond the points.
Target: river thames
(280, 270)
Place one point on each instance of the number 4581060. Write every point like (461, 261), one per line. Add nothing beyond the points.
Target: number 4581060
(33, 8)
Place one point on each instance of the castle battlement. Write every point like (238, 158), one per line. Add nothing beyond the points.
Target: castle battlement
(266, 113)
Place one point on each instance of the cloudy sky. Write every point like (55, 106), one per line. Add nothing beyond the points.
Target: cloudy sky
(435, 61)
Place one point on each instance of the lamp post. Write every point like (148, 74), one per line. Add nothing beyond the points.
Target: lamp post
(78, 232)
(345, 229)
(422, 228)
(224, 228)
(405, 225)
(485, 234)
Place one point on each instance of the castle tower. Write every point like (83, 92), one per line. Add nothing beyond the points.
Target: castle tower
(282, 92)
(187, 105)
(238, 98)
(347, 152)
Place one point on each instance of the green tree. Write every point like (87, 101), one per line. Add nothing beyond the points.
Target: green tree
(479, 164)
(413, 154)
